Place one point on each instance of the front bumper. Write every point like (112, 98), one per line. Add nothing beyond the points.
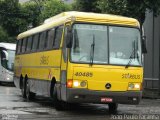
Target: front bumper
(91, 96)
(7, 79)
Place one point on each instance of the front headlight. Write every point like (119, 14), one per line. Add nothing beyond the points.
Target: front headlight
(76, 83)
(137, 86)
(134, 86)
(79, 84)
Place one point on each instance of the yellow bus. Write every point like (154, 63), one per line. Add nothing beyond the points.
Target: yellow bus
(80, 57)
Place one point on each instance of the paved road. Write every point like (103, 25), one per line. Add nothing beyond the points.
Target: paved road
(14, 107)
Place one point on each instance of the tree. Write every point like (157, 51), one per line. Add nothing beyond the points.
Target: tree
(11, 18)
(3, 35)
(131, 8)
(53, 7)
(15, 18)
(32, 10)
(86, 5)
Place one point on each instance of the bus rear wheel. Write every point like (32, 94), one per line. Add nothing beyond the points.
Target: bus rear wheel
(23, 88)
(113, 107)
(29, 95)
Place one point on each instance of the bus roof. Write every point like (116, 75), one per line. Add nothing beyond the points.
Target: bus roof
(9, 46)
(83, 17)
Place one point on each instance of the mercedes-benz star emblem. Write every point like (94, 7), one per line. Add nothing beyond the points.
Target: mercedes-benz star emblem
(108, 86)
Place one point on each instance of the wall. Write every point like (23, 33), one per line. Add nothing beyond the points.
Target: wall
(151, 63)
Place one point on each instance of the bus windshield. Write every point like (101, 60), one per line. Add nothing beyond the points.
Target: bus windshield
(7, 59)
(106, 45)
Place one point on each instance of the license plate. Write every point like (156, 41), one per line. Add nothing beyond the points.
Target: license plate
(106, 100)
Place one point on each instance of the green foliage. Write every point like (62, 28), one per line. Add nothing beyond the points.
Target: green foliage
(32, 10)
(130, 8)
(16, 18)
(9, 11)
(153, 5)
(4, 36)
(53, 7)
(11, 18)
(86, 5)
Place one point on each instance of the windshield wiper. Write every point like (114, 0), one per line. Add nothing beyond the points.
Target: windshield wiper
(133, 55)
(92, 51)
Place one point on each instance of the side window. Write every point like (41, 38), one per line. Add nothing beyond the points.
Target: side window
(24, 45)
(46, 40)
(19, 46)
(58, 36)
(51, 38)
(32, 42)
(29, 44)
(42, 40)
(35, 42)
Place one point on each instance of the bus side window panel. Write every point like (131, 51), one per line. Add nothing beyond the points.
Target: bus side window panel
(42, 40)
(21, 46)
(33, 36)
(35, 42)
(24, 45)
(39, 35)
(51, 40)
(58, 37)
(29, 44)
(46, 40)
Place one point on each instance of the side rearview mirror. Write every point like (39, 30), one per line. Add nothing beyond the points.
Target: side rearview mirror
(144, 49)
(69, 37)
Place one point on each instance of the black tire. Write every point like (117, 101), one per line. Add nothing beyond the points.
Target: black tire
(113, 107)
(23, 89)
(57, 103)
(29, 95)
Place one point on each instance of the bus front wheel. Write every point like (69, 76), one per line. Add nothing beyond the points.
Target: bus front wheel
(113, 107)
(57, 103)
